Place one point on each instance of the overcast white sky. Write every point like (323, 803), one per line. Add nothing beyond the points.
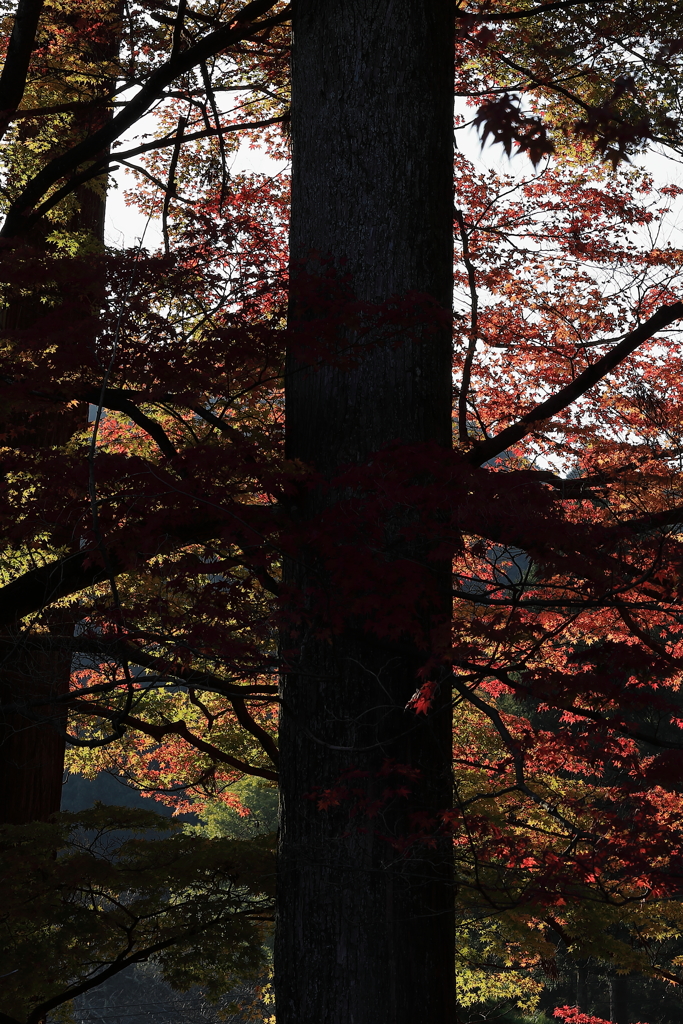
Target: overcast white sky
(125, 226)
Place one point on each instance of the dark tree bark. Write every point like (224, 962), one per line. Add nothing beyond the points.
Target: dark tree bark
(32, 743)
(618, 999)
(582, 988)
(32, 725)
(365, 933)
(22, 41)
(31, 733)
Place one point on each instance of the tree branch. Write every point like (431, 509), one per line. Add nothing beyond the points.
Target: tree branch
(494, 446)
(158, 732)
(15, 70)
(463, 433)
(241, 27)
(40, 587)
(40, 1012)
(120, 649)
(110, 161)
(558, 5)
(118, 403)
(171, 189)
(247, 722)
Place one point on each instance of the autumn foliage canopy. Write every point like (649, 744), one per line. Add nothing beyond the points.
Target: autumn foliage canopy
(147, 506)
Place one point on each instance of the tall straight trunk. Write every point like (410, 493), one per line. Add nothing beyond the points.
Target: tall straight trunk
(365, 933)
(582, 988)
(31, 743)
(618, 999)
(32, 725)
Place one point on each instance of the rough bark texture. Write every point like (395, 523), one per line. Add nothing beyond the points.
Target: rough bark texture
(366, 933)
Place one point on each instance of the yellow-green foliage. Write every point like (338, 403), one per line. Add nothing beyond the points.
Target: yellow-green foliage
(259, 799)
(496, 960)
(173, 763)
(96, 888)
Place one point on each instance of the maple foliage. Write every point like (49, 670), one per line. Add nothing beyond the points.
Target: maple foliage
(508, 750)
(161, 526)
(173, 613)
(570, 1015)
(554, 78)
(88, 894)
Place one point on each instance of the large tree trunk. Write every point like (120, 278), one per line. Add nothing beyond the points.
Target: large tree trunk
(365, 933)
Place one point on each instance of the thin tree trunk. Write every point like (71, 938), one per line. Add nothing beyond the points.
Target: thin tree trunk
(582, 988)
(618, 999)
(365, 933)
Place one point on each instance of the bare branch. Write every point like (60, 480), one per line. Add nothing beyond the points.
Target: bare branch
(171, 186)
(471, 348)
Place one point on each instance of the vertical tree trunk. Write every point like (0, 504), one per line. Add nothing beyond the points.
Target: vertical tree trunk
(365, 932)
(32, 743)
(618, 999)
(582, 988)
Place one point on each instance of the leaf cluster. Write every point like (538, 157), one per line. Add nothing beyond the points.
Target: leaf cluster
(92, 892)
